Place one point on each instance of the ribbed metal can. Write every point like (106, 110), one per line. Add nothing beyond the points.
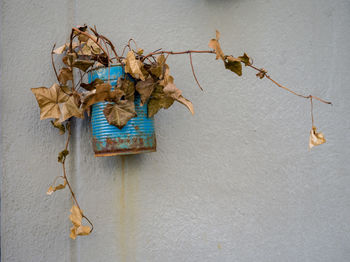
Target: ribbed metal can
(136, 137)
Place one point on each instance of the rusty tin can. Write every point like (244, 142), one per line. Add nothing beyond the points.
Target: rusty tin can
(136, 137)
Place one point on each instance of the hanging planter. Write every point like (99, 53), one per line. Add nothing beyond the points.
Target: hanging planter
(136, 137)
(123, 98)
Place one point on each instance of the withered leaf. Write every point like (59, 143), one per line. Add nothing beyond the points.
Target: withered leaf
(85, 50)
(187, 103)
(315, 138)
(127, 86)
(233, 64)
(95, 49)
(65, 47)
(158, 100)
(140, 51)
(69, 109)
(262, 73)
(145, 89)
(245, 59)
(172, 91)
(101, 93)
(120, 113)
(214, 44)
(83, 64)
(69, 59)
(55, 188)
(83, 38)
(49, 100)
(59, 126)
(65, 75)
(92, 85)
(133, 66)
(157, 68)
(76, 217)
(62, 156)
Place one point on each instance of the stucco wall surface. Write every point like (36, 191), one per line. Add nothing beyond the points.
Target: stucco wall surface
(234, 182)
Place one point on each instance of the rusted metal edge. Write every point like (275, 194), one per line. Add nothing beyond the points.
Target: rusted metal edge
(127, 152)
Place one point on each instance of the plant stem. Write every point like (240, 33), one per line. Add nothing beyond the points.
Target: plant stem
(68, 184)
(53, 63)
(287, 89)
(194, 75)
(178, 53)
(93, 39)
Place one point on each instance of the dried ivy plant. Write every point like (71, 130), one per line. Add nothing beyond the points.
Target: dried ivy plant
(88, 50)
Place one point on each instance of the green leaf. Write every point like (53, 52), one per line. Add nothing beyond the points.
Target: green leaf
(233, 64)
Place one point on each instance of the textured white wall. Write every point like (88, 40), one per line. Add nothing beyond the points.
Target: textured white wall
(235, 182)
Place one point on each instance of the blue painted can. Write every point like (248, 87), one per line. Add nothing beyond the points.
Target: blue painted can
(136, 137)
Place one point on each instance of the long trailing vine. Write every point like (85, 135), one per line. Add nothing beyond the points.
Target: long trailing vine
(88, 50)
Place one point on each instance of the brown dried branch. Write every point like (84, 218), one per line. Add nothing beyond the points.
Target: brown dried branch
(66, 178)
(194, 75)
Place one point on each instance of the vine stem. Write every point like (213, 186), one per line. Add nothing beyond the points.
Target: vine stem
(53, 62)
(68, 184)
(93, 39)
(178, 53)
(109, 42)
(194, 75)
(289, 90)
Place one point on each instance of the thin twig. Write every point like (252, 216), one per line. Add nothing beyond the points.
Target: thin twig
(194, 75)
(53, 63)
(178, 53)
(287, 89)
(312, 111)
(93, 39)
(66, 178)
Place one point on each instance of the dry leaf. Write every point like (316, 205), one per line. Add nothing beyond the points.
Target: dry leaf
(55, 188)
(63, 48)
(92, 85)
(101, 93)
(69, 109)
(158, 100)
(78, 229)
(140, 51)
(69, 59)
(262, 73)
(133, 66)
(59, 126)
(95, 49)
(157, 68)
(83, 64)
(145, 89)
(315, 138)
(233, 64)
(187, 103)
(214, 44)
(119, 114)
(62, 156)
(245, 59)
(65, 75)
(49, 99)
(127, 86)
(172, 91)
